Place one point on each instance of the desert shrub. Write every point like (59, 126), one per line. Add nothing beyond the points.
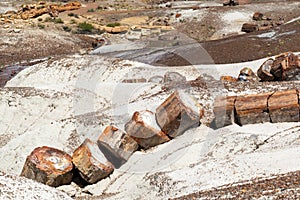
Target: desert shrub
(85, 27)
(58, 21)
(113, 24)
(49, 19)
(41, 26)
(67, 29)
(91, 10)
(40, 19)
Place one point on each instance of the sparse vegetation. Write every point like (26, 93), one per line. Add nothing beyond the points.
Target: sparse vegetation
(40, 19)
(67, 29)
(49, 19)
(58, 21)
(113, 24)
(85, 27)
(91, 10)
(41, 26)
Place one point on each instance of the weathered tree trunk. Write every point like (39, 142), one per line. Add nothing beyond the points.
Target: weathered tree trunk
(116, 145)
(251, 109)
(178, 113)
(144, 129)
(224, 111)
(284, 107)
(49, 166)
(91, 162)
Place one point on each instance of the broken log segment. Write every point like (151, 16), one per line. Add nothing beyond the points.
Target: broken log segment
(144, 130)
(48, 165)
(91, 162)
(223, 109)
(283, 106)
(251, 109)
(178, 113)
(116, 145)
(264, 71)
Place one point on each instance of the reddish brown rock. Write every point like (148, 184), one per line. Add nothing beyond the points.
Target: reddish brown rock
(49, 166)
(224, 111)
(249, 27)
(144, 130)
(91, 162)
(257, 16)
(284, 107)
(251, 109)
(228, 79)
(264, 71)
(116, 145)
(246, 74)
(178, 113)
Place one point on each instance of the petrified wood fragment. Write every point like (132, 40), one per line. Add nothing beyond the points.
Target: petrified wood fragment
(144, 130)
(251, 109)
(224, 111)
(284, 107)
(116, 145)
(178, 113)
(264, 72)
(249, 27)
(91, 162)
(49, 166)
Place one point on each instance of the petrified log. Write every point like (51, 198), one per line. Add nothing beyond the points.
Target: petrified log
(284, 107)
(228, 79)
(249, 27)
(224, 111)
(49, 166)
(251, 109)
(178, 113)
(144, 130)
(264, 71)
(116, 145)
(91, 162)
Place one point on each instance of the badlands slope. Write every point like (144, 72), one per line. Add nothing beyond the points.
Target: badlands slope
(61, 102)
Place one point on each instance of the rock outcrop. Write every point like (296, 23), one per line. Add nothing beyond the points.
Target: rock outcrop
(28, 11)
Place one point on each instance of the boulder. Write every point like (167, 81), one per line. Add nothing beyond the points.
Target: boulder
(116, 145)
(284, 107)
(257, 16)
(246, 74)
(178, 113)
(223, 109)
(49, 166)
(144, 130)
(91, 162)
(251, 109)
(249, 27)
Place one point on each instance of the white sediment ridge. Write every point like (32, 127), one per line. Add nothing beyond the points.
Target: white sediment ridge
(60, 106)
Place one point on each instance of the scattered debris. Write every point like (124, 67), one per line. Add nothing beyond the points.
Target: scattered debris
(285, 67)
